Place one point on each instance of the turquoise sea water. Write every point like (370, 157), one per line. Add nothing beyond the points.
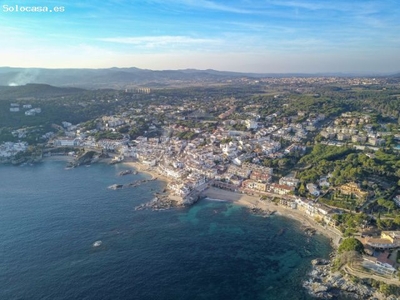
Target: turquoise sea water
(50, 217)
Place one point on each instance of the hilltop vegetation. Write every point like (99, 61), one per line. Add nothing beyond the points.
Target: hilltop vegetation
(351, 244)
(56, 104)
(35, 91)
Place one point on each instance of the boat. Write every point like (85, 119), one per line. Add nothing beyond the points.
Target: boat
(115, 186)
(97, 243)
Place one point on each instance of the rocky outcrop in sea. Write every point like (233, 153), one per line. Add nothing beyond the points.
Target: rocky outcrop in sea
(131, 185)
(160, 202)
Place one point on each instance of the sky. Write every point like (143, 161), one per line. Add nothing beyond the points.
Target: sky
(260, 36)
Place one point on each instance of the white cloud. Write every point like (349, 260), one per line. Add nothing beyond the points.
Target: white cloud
(206, 4)
(363, 8)
(219, 7)
(160, 41)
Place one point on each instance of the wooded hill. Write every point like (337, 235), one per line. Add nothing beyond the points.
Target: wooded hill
(35, 91)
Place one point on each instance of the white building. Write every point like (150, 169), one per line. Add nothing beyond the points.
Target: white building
(313, 189)
(67, 142)
(290, 181)
(251, 124)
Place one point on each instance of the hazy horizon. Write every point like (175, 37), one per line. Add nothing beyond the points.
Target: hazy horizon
(250, 36)
(216, 70)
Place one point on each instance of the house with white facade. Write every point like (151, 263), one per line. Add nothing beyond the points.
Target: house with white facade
(313, 189)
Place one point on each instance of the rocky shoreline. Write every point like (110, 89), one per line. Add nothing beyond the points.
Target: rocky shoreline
(130, 185)
(323, 283)
(160, 202)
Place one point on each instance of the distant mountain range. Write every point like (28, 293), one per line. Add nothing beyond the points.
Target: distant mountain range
(109, 78)
(127, 77)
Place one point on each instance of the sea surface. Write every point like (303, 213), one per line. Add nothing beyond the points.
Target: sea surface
(50, 217)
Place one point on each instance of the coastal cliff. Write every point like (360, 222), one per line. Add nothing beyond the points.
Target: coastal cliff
(85, 159)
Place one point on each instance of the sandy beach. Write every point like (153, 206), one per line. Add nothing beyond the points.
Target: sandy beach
(254, 202)
(146, 169)
(251, 202)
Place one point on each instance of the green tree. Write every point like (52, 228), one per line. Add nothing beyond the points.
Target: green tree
(302, 189)
(389, 205)
(397, 221)
(351, 244)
